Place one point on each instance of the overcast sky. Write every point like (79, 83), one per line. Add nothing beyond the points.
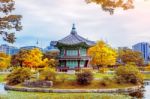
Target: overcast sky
(47, 20)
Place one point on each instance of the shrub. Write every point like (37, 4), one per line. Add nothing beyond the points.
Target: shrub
(18, 75)
(111, 69)
(48, 74)
(86, 70)
(62, 78)
(105, 81)
(147, 68)
(84, 78)
(103, 70)
(128, 74)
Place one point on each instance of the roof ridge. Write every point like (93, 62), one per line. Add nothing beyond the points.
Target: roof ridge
(77, 37)
(74, 38)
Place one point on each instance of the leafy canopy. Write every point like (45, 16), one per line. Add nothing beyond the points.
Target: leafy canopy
(129, 74)
(102, 54)
(8, 21)
(19, 58)
(33, 59)
(4, 60)
(18, 75)
(48, 74)
(130, 56)
(111, 5)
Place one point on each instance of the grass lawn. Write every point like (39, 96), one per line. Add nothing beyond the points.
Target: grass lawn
(94, 85)
(2, 77)
(70, 84)
(33, 95)
(147, 76)
(96, 75)
(69, 76)
(102, 75)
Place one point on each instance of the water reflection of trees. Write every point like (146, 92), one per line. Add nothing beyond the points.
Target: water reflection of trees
(138, 94)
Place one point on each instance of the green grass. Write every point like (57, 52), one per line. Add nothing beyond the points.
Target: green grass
(31, 95)
(2, 77)
(147, 76)
(102, 75)
(70, 76)
(95, 84)
(96, 75)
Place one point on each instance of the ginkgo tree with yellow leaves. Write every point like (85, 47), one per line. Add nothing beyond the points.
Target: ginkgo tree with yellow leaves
(102, 55)
(33, 59)
(4, 60)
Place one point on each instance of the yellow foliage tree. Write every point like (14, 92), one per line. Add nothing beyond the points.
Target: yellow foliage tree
(51, 63)
(4, 60)
(33, 59)
(130, 56)
(102, 55)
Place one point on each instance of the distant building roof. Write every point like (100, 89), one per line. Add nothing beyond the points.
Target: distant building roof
(141, 43)
(53, 43)
(11, 50)
(51, 48)
(74, 38)
(30, 47)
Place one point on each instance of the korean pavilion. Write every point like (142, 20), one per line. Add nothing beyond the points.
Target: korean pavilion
(73, 51)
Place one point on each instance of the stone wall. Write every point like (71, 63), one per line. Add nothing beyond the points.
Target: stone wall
(48, 90)
(41, 84)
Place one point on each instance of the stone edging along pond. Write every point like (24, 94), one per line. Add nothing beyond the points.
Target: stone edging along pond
(46, 90)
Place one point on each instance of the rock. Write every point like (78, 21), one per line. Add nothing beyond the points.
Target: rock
(42, 84)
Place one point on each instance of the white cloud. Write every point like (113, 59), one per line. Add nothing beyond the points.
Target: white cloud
(51, 20)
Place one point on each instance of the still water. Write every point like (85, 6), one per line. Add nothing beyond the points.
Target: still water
(147, 92)
(144, 93)
(2, 90)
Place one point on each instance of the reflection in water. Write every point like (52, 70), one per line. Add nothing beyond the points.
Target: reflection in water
(147, 92)
(143, 93)
(139, 94)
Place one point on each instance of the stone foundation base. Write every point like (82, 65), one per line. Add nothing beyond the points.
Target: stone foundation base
(47, 90)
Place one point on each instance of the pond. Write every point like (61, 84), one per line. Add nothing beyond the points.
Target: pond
(147, 91)
(144, 93)
(2, 90)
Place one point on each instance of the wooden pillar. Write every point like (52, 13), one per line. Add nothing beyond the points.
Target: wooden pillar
(78, 63)
(86, 63)
(65, 63)
(78, 52)
(65, 52)
(66, 66)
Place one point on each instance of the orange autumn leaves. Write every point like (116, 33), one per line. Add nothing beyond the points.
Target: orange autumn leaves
(34, 59)
(111, 5)
(31, 58)
(102, 54)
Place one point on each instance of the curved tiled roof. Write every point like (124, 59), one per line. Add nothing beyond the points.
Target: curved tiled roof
(74, 38)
